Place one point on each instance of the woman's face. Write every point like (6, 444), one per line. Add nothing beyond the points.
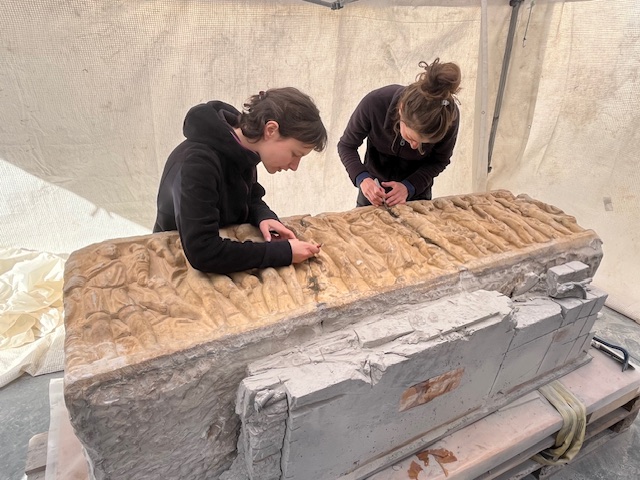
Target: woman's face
(411, 136)
(278, 153)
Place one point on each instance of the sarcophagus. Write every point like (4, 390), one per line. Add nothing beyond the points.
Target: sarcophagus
(156, 351)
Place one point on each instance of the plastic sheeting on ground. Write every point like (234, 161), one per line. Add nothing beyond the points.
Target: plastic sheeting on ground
(31, 313)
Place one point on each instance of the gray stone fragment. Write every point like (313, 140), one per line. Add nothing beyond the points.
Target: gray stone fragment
(589, 323)
(521, 364)
(266, 469)
(555, 357)
(382, 331)
(530, 281)
(560, 274)
(568, 280)
(238, 469)
(580, 346)
(600, 297)
(587, 306)
(569, 332)
(534, 319)
(570, 308)
(566, 290)
(562, 342)
(581, 270)
(264, 413)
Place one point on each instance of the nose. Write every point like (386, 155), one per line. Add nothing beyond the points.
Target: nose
(294, 164)
(414, 145)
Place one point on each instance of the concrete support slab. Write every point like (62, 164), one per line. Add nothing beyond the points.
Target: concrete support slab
(357, 394)
(356, 402)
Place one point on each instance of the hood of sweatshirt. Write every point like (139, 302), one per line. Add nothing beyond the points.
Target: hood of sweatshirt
(212, 123)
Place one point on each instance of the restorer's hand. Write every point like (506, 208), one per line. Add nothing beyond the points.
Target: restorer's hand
(373, 192)
(303, 250)
(397, 195)
(273, 230)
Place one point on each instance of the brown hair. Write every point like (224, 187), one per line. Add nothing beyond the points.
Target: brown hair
(296, 114)
(428, 104)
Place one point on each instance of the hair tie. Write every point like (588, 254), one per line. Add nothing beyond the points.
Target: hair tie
(262, 94)
(445, 102)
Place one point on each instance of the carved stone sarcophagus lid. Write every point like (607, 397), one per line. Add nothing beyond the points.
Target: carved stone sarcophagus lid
(155, 350)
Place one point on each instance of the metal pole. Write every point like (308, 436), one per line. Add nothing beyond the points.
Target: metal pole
(335, 5)
(503, 75)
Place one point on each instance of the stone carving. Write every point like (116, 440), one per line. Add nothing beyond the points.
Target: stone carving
(138, 291)
(138, 314)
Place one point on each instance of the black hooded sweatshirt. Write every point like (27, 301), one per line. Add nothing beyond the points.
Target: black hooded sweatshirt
(209, 182)
(388, 157)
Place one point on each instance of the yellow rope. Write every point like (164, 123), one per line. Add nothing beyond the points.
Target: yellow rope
(571, 436)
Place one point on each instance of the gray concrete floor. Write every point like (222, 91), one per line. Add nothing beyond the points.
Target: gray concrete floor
(24, 412)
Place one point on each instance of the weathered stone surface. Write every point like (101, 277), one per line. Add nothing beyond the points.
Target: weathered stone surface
(350, 404)
(155, 350)
(535, 318)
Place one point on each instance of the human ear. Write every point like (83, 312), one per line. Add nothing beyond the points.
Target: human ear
(271, 128)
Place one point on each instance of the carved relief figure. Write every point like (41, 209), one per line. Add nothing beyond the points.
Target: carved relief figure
(168, 248)
(494, 225)
(527, 235)
(107, 298)
(433, 255)
(130, 297)
(353, 271)
(177, 312)
(389, 245)
(430, 232)
(250, 284)
(452, 214)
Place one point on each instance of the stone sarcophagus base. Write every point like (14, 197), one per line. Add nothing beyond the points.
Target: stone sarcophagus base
(353, 401)
(156, 351)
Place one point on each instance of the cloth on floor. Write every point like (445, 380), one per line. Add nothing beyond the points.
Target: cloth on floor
(31, 313)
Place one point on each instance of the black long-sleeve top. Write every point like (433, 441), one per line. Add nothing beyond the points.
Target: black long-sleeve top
(388, 157)
(209, 182)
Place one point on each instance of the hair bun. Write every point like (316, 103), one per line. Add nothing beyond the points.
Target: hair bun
(439, 80)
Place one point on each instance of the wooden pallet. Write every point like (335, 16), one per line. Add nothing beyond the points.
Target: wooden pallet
(499, 446)
(37, 457)
(598, 433)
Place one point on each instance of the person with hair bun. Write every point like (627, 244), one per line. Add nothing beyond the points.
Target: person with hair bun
(410, 132)
(210, 179)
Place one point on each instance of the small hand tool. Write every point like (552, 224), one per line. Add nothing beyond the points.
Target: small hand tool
(384, 200)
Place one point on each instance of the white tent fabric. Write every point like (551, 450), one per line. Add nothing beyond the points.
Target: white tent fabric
(93, 95)
(570, 130)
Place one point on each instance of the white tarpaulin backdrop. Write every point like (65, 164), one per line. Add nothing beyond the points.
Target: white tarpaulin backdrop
(93, 95)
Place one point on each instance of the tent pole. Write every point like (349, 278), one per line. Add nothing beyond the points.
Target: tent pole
(334, 5)
(515, 4)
